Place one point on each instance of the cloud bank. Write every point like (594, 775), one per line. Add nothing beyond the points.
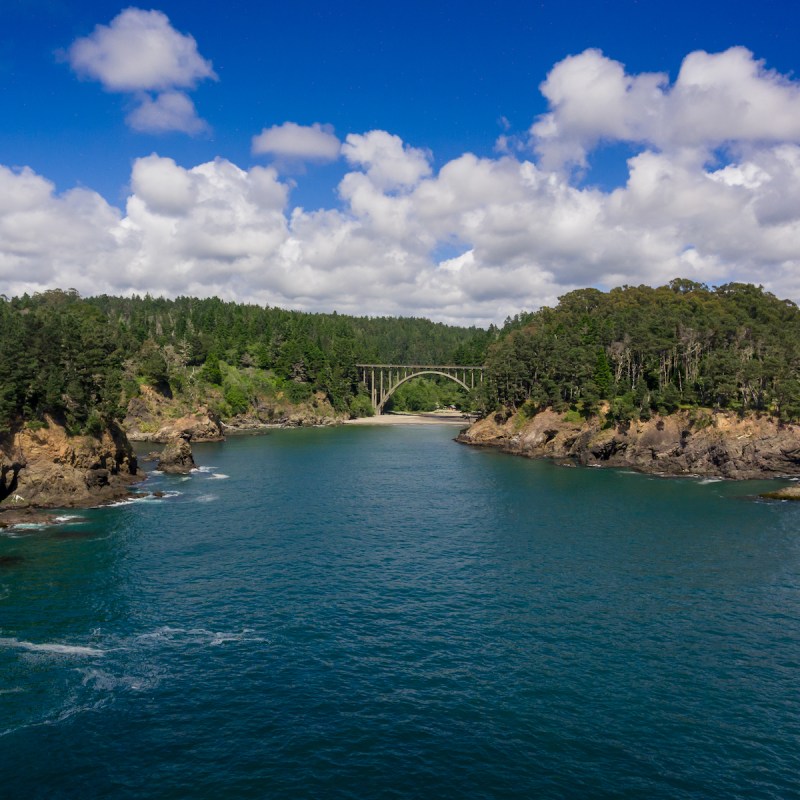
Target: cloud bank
(718, 100)
(141, 54)
(472, 242)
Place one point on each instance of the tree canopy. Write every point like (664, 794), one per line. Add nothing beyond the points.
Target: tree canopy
(80, 359)
(646, 349)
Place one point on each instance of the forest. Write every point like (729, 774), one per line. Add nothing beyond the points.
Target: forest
(632, 352)
(640, 350)
(82, 359)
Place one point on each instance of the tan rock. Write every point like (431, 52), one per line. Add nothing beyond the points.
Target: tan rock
(685, 443)
(46, 468)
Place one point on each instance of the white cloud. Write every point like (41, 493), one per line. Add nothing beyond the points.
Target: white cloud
(718, 99)
(168, 111)
(293, 141)
(140, 53)
(162, 185)
(523, 233)
(390, 164)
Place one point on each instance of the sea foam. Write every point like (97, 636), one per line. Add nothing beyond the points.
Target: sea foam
(52, 647)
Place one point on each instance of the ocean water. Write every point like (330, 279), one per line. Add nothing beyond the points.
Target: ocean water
(383, 613)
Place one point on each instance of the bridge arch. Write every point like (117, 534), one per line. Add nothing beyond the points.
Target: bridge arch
(394, 388)
(383, 380)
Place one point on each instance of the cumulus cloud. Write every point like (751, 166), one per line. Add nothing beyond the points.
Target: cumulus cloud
(526, 235)
(168, 111)
(516, 233)
(292, 141)
(139, 52)
(390, 163)
(718, 99)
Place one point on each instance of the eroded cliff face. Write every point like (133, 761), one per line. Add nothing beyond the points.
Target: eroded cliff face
(46, 468)
(152, 417)
(315, 412)
(685, 443)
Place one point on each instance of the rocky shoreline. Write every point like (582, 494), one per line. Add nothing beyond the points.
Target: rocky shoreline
(42, 467)
(686, 443)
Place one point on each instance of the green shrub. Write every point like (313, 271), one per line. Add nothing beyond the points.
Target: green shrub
(361, 406)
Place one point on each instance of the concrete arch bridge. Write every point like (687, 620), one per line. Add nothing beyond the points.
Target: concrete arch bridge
(382, 380)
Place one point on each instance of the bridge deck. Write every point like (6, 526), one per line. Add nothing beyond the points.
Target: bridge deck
(418, 366)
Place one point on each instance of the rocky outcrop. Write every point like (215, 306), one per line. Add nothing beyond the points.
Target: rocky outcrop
(785, 493)
(265, 414)
(154, 417)
(720, 444)
(176, 458)
(43, 467)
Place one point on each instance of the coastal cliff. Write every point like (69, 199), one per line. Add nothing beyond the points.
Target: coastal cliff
(706, 443)
(43, 467)
(157, 417)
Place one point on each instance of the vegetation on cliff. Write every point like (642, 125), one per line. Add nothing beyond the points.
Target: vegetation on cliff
(646, 351)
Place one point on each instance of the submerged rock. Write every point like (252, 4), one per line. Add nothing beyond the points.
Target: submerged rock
(176, 458)
(787, 493)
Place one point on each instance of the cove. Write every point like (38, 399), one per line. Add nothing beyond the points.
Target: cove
(381, 612)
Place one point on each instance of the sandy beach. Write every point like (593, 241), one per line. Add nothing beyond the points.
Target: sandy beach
(431, 418)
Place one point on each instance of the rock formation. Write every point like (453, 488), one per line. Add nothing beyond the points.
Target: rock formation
(685, 443)
(43, 467)
(153, 417)
(176, 458)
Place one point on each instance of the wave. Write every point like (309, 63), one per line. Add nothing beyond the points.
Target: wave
(220, 475)
(204, 469)
(48, 647)
(201, 636)
(102, 681)
(28, 526)
(65, 713)
(144, 498)
(207, 498)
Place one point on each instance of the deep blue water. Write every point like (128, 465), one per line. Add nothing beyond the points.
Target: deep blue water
(380, 612)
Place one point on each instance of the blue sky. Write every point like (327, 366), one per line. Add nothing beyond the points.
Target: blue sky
(446, 78)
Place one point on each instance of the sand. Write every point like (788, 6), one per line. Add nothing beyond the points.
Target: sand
(432, 418)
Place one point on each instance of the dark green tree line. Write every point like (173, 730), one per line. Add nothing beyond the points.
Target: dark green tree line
(642, 350)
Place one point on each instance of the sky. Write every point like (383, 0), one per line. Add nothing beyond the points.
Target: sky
(461, 161)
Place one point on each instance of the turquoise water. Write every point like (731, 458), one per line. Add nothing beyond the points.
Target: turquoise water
(380, 612)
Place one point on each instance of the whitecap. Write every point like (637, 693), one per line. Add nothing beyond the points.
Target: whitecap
(207, 498)
(106, 682)
(69, 518)
(204, 469)
(127, 502)
(29, 526)
(171, 493)
(52, 647)
(201, 636)
(220, 476)
(710, 480)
